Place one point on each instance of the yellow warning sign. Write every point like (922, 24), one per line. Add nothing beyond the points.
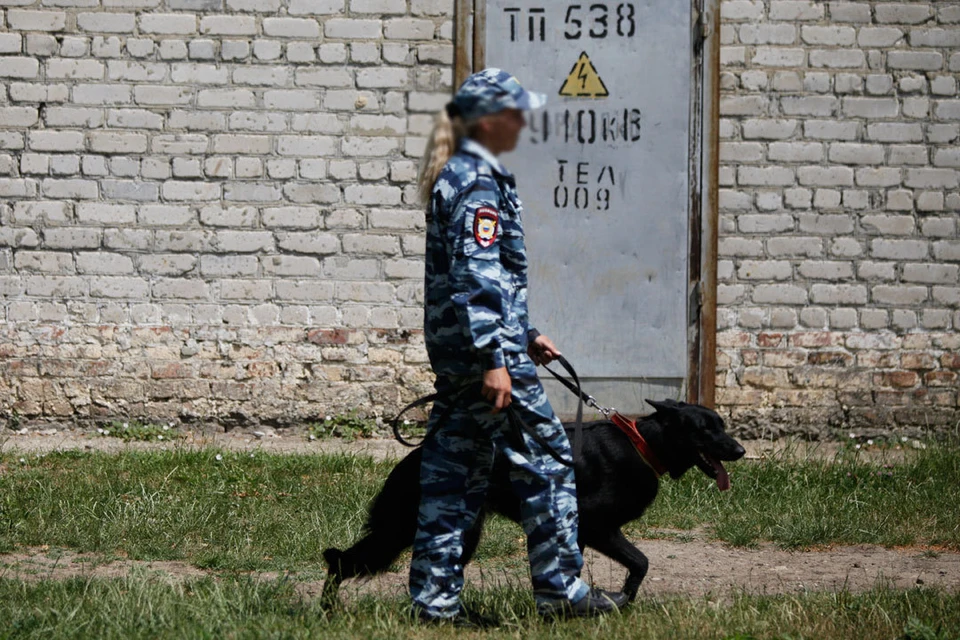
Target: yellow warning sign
(583, 81)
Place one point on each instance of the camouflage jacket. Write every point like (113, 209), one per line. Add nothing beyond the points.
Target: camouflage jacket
(476, 266)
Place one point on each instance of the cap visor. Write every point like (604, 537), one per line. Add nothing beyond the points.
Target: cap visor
(530, 100)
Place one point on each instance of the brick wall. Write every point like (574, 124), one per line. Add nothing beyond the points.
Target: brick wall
(839, 250)
(207, 209)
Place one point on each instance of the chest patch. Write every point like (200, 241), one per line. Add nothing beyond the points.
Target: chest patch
(486, 225)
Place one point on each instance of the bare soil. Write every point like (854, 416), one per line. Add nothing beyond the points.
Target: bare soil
(680, 562)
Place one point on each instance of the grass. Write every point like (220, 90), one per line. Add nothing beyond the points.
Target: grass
(140, 606)
(235, 512)
(257, 511)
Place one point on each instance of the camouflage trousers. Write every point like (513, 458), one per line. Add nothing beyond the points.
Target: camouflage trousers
(454, 477)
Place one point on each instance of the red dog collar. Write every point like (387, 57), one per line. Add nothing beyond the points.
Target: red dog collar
(629, 427)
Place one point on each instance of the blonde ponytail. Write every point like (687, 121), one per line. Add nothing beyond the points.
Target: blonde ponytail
(441, 145)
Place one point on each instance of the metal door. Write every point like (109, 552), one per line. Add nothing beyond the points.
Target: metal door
(610, 175)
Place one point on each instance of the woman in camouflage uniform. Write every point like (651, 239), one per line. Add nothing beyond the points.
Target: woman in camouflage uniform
(484, 352)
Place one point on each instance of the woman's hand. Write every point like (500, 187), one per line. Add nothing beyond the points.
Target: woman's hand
(497, 388)
(542, 350)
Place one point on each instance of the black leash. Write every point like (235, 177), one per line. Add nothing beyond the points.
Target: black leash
(516, 421)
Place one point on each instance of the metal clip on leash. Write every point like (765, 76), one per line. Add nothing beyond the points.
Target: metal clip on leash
(592, 402)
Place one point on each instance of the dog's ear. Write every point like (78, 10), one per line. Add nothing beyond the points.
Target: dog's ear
(666, 406)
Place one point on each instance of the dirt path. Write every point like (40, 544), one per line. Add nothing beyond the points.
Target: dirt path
(693, 567)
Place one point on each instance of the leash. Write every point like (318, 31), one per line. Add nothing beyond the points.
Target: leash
(625, 424)
(516, 422)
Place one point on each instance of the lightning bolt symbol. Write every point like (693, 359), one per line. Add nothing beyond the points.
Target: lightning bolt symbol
(582, 75)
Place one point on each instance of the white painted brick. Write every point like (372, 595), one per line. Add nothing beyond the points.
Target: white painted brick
(837, 58)
(317, 122)
(106, 22)
(915, 60)
(14, 67)
(234, 49)
(301, 52)
(779, 294)
(103, 94)
(932, 178)
(831, 36)
(113, 142)
(333, 52)
(779, 57)
(844, 11)
(838, 294)
(895, 132)
(316, 7)
(213, 98)
(190, 191)
(301, 193)
(879, 37)
(55, 140)
(871, 107)
(879, 84)
(906, 13)
(809, 105)
(228, 25)
(368, 146)
(795, 151)
(856, 153)
(267, 49)
(947, 110)
(291, 27)
(765, 176)
(907, 154)
(28, 20)
(352, 29)
(276, 76)
(253, 6)
(108, 214)
(372, 194)
(879, 177)
(795, 246)
(378, 6)
(198, 73)
(931, 273)
(825, 176)
(104, 263)
(898, 295)
(257, 121)
(321, 146)
(168, 23)
(767, 33)
(18, 116)
(134, 119)
(408, 29)
(324, 77)
(384, 77)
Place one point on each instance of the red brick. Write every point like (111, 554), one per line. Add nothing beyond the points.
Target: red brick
(328, 336)
(896, 379)
(950, 360)
(940, 378)
(917, 360)
(783, 358)
(766, 339)
(750, 357)
(816, 339)
(171, 370)
(830, 359)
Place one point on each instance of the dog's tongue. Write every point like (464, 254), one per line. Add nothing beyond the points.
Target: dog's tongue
(723, 478)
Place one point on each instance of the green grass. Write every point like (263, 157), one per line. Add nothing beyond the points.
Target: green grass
(143, 607)
(242, 511)
(233, 512)
(799, 503)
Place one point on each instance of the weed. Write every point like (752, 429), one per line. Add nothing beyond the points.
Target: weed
(136, 430)
(349, 426)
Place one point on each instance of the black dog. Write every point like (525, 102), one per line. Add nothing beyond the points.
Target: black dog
(614, 486)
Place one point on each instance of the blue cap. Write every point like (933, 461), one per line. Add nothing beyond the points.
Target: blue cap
(490, 91)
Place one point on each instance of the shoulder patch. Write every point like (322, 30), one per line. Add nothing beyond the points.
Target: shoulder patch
(486, 225)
